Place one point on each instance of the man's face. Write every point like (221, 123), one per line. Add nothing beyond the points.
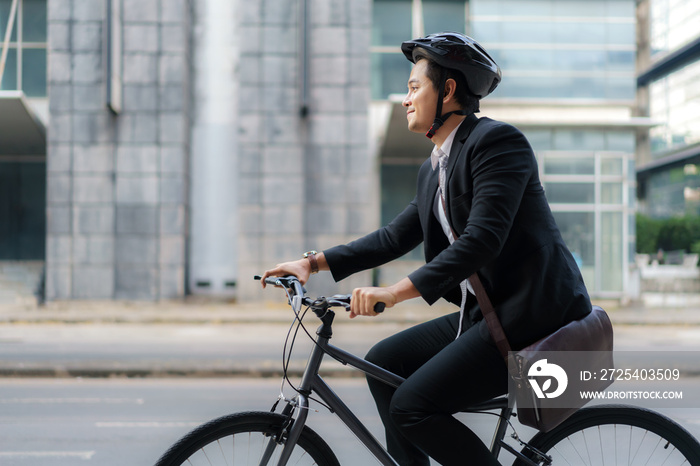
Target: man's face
(421, 100)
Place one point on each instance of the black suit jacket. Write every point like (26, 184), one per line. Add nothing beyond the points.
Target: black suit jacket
(506, 230)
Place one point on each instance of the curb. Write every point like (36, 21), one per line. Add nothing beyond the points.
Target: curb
(263, 370)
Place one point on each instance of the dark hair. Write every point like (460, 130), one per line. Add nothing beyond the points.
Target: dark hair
(466, 100)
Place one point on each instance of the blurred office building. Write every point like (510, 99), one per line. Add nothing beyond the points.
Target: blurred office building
(181, 146)
(669, 92)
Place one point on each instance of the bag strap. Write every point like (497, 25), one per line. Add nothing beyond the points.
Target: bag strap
(490, 316)
(487, 310)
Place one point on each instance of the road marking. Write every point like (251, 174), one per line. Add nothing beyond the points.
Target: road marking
(146, 424)
(83, 455)
(110, 401)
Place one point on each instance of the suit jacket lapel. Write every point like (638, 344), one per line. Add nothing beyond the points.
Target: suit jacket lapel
(432, 186)
(460, 138)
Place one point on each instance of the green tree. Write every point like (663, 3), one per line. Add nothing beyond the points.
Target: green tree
(647, 234)
(670, 234)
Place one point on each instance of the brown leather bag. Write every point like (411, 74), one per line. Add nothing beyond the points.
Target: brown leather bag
(585, 345)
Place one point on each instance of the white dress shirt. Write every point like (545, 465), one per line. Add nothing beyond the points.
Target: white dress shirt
(438, 158)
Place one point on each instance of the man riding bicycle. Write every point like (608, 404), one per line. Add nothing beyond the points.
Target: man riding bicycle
(479, 208)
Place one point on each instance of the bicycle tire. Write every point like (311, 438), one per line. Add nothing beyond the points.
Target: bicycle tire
(616, 434)
(232, 440)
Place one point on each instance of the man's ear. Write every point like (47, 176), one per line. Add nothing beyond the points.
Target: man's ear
(450, 89)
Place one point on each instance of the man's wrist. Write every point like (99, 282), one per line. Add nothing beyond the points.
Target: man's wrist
(313, 262)
(403, 290)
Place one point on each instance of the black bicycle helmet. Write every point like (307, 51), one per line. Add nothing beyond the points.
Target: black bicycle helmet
(455, 51)
(458, 52)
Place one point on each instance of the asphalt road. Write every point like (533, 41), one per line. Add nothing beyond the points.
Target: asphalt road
(110, 422)
(73, 418)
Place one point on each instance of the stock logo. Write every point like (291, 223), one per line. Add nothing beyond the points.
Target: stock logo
(546, 372)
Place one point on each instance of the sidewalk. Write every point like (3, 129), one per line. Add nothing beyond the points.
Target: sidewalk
(201, 311)
(198, 338)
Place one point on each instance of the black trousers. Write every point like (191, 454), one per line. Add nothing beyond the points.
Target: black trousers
(443, 376)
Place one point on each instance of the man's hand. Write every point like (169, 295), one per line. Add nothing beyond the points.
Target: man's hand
(364, 299)
(300, 269)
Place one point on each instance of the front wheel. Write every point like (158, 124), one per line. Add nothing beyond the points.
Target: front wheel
(250, 438)
(617, 435)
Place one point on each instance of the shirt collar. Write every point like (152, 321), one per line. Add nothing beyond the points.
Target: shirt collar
(445, 148)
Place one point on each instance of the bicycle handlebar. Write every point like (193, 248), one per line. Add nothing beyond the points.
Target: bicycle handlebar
(293, 283)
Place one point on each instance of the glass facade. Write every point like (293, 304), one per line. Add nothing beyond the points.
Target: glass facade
(674, 23)
(674, 191)
(580, 48)
(392, 23)
(25, 68)
(674, 100)
(576, 49)
(588, 179)
(548, 50)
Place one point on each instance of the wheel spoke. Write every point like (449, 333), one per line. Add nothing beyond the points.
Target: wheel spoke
(618, 436)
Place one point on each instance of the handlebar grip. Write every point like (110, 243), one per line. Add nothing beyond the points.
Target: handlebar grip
(379, 308)
(268, 280)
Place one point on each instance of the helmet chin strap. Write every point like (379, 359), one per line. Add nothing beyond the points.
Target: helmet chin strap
(439, 121)
(439, 118)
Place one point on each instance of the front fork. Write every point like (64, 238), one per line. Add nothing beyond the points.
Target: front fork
(289, 432)
(298, 423)
(300, 403)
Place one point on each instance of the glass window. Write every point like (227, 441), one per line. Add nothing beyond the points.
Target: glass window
(619, 88)
(527, 31)
(484, 7)
(487, 31)
(673, 24)
(620, 8)
(34, 20)
(390, 73)
(540, 140)
(570, 193)
(398, 185)
(9, 78)
(34, 72)
(623, 141)
(5, 6)
(574, 32)
(526, 59)
(631, 171)
(578, 140)
(579, 8)
(620, 33)
(30, 52)
(580, 60)
(520, 8)
(611, 166)
(523, 86)
(569, 165)
(611, 193)
(611, 249)
(578, 231)
(444, 15)
(391, 23)
(620, 60)
(674, 101)
(583, 86)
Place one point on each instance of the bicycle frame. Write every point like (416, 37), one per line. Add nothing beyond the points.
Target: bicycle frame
(313, 382)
